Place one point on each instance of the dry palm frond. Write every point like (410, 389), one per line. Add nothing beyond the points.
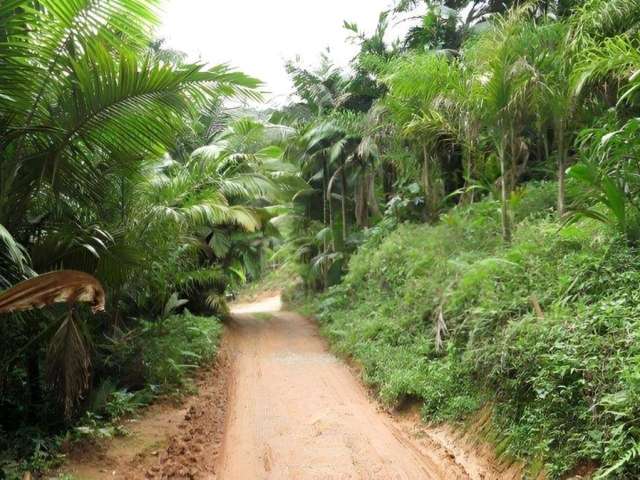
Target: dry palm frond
(68, 363)
(54, 287)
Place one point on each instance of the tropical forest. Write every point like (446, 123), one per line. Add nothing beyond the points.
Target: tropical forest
(421, 261)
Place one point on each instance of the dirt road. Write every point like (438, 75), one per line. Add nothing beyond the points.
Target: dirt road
(279, 406)
(297, 412)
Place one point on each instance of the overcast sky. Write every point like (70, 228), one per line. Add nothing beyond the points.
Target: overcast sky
(257, 36)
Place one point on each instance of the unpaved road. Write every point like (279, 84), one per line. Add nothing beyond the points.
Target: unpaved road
(279, 406)
(297, 412)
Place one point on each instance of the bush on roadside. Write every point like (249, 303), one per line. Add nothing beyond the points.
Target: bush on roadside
(176, 346)
(562, 379)
(152, 359)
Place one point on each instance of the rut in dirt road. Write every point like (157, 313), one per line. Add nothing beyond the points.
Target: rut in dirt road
(297, 412)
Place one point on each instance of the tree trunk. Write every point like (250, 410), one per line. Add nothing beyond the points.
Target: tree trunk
(506, 221)
(331, 226)
(513, 153)
(388, 179)
(326, 208)
(372, 201)
(361, 204)
(325, 185)
(562, 165)
(357, 207)
(540, 146)
(471, 155)
(364, 208)
(343, 180)
(467, 195)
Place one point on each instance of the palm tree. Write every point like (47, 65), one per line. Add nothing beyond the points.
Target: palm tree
(323, 91)
(596, 20)
(549, 59)
(418, 86)
(606, 73)
(86, 109)
(76, 104)
(505, 82)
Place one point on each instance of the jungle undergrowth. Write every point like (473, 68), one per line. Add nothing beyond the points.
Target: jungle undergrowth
(545, 330)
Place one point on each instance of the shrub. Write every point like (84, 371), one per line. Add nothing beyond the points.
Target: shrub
(562, 379)
(177, 345)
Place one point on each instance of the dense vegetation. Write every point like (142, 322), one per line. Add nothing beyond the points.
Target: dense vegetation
(543, 330)
(118, 158)
(473, 202)
(474, 186)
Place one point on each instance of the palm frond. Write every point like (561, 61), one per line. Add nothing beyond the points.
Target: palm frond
(68, 362)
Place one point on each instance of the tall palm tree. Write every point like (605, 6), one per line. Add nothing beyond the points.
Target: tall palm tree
(505, 81)
(323, 91)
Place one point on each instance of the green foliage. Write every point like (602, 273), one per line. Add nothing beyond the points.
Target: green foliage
(101, 173)
(538, 328)
(155, 359)
(176, 346)
(95, 427)
(277, 277)
(608, 176)
(119, 158)
(34, 452)
(166, 353)
(562, 388)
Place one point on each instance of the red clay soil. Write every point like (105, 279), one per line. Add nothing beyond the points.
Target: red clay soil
(168, 441)
(279, 405)
(297, 412)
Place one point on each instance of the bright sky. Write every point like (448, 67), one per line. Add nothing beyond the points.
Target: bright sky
(258, 36)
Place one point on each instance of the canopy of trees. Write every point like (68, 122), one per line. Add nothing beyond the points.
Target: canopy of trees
(479, 98)
(119, 159)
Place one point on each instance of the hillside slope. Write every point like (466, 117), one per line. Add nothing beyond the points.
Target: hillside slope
(543, 331)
